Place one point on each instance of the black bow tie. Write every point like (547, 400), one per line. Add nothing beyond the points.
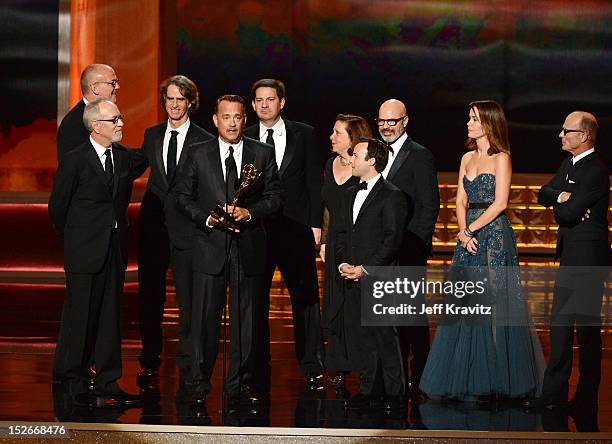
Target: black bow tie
(362, 186)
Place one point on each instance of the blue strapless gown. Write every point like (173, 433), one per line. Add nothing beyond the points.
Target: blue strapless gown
(504, 359)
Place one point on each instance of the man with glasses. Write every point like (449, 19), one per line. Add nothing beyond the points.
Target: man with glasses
(578, 194)
(98, 81)
(412, 169)
(88, 208)
(165, 234)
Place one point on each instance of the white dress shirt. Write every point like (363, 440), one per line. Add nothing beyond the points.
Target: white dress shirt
(279, 136)
(180, 141)
(100, 151)
(362, 195)
(395, 146)
(224, 154)
(575, 160)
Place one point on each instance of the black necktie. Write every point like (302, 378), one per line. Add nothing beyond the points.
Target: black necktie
(270, 138)
(171, 162)
(231, 173)
(108, 168)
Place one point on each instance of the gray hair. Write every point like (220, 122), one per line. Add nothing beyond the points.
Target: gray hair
(92, 112)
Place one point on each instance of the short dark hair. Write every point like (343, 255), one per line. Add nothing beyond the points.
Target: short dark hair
(187, 88)
(590, 126)
(229, 98)
(377, 150)
(269, 83)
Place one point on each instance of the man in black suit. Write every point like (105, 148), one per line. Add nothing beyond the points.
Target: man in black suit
(370, 234)
(579, 195)
(88, 208)
(412, 169)
(97, 82)
(208, 178)
(292, 234)
(165, 234)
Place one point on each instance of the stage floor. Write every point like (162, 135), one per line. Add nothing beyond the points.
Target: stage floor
(29, 323)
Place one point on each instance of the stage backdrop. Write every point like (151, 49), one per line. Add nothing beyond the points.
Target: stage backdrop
(540, 59)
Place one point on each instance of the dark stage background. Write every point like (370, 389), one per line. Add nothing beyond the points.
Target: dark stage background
(540, 59)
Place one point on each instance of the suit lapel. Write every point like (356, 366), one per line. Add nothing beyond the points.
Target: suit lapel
(159, 152)
(289, 148)
(214, 162)
(117, 167)
(248, 156)
(94, 160)
(190, 138)
(377, 187)
(400, 158)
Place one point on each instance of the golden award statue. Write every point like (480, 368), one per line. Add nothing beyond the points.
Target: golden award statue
(224, 220)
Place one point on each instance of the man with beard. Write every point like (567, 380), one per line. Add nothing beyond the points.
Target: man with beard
(412, 169)
(88, 208)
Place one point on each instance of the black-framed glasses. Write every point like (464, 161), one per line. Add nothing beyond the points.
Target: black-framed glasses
(565, 131)
(113, 83)
(390, 122)
(115, 119)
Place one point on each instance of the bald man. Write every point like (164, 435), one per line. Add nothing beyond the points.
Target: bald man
(412, 169)
(98, 81)
(578, 194)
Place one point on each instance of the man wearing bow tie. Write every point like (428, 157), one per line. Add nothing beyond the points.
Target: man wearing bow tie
(210, 175)
(370, 234)
(578, 194)
(165, 234)
(88, 208)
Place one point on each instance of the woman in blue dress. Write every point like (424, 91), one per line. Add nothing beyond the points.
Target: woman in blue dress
(502, 357)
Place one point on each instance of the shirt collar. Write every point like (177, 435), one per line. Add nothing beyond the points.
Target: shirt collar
(181, 129)
(373, 181)
(85, 101)
(575, 159)
(397, 145)
(100, 150)
(278, 127)
(224, 146)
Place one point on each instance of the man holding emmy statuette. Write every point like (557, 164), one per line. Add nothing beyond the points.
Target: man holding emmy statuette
(228, 186)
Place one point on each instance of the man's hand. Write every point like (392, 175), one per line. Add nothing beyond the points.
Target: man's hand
(238, 213)
(586, 215)
(317, 235)
(564, 196)
(213, 222)
(351, 272)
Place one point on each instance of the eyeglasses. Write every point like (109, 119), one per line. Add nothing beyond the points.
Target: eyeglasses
(390, 122)
(565, 131)
(113, 83)
(115, 119)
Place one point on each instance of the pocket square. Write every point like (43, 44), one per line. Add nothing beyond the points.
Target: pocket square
(571, 181)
